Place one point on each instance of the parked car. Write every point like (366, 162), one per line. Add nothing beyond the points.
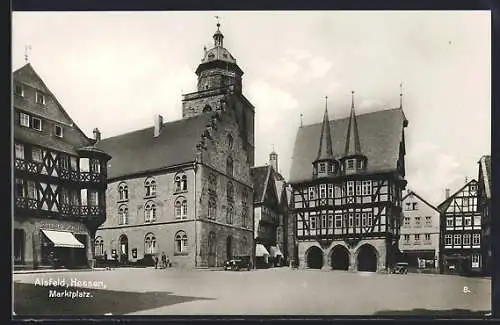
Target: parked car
(400, 268)
(237, 263)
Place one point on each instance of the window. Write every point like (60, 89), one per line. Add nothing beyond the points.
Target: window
(350, 163)
(99, 246)
(63, 196)
(93, 198)
(370, 219)
(84, 165)
(473, 187)
(311, 193)
(150, 185)
(407, 221)
(122, 192)
(25, 120)
(468, 221)
(36, 154)
(322, 191)
(406, 238)
(338, 221)
(367, 187)
(19, 90)
(150, 244)
(364, 219)
(408, 206)
(417, 222)
(229, 166)
(449, 222)
(351, 220)
(465, 201)
(414, 205)
(447, 240)
(149, 211)
(36, 123)
(230, 192)
(181, 208)
(212, 208)
(180, 182)
(322, 167)
(95, 166)
(458, 221)
(457, 240)
(32, 193)
(477, 220)
(244, 217)
(313, 222)
(475, 260)
(359, 164)
(466, 239)
(330, 191)
(64, 161)
(230, 141)
(476, 239)
(40, 98)
(19, 151)
(19, 187)
(58, 131)
(181, 242)
(330, 221)
(350, 188)
(123, 215)
(358, 188)
(358, 220)
(428, 221)
(230, 214)
(74, 163)
(427, 237)
(417, 237)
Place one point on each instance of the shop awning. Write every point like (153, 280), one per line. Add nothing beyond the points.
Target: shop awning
(63, 239)
(275, 251)
(260, 250)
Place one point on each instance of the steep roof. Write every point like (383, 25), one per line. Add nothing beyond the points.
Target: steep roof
(420, 198)
(485, 166)
(139, 151)
(260, 175)
(446, 203)
(352, 144)
(380, 135)
(325, 150)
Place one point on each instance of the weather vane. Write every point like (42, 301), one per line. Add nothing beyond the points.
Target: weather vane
(27, 48)
(218, 20)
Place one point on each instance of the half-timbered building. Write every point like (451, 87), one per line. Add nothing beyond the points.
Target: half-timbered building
(484, 206)
(183, 187)
(59, 177)
(460, 228)
(419, 241)
(347, 177)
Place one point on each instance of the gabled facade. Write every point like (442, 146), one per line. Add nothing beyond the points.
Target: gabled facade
(419, 241)
(59, 177)
(183, 188)
(347, 178)
(460, 228)
(484, 207)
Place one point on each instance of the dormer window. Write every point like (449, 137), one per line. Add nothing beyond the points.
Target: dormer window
(58, 131)
(330, 168)
(359, 164)
(19, 90)
(322, 167)
(350, 163)
(40, 98)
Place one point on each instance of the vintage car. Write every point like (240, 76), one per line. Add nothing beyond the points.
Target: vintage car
(237, 263)
(400, 268)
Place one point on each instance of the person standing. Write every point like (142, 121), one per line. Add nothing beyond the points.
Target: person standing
(163, 260)
(155, 258)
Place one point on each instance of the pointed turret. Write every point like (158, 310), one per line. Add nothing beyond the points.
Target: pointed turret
(353, 160)
(325, 164)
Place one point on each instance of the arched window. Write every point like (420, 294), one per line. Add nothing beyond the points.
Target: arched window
(230, 214)
(99, 246)
(181, 242)
(150, 186)
(230, 192)
(212, 208)
(230, 141)
(122, 215)
(244, 246)
(181, 208)
(180, 182)
(150, 244)
(149, 211)
(229, 166)
(122, 192)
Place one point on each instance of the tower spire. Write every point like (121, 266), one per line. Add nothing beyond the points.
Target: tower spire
(218, 37)
(352, 145)
(325, 150)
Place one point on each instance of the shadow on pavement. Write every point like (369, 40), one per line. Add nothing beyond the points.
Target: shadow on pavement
(431, 312)
(34, 300)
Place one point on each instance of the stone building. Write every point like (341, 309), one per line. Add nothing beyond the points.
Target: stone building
(59, 180)
(347, 177)
(419, 241)
(183, 187)
(484, 206)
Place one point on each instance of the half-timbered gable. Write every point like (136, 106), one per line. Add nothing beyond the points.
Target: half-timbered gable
(355, 208)
(60, 177)
(484, 206)
(461, 231)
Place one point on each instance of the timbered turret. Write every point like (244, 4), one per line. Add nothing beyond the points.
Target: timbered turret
(325, 164)
(353, 161)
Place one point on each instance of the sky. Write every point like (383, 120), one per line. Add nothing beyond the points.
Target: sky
(117, 70)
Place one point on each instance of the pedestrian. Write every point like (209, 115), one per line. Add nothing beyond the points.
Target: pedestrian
(155, 258)
(163, 260)
(167, 262)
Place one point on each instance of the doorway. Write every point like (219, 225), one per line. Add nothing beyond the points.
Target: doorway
(123, 249)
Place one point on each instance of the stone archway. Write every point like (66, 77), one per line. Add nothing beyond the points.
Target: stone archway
(123, 248)
(340, 258)
(367, 258)
(314, 258)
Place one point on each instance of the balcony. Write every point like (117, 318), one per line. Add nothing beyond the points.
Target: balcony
(86, 177)
(32, 167)
(64, 209)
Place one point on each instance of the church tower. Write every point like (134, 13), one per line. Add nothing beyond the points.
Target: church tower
(273, 160)
(353, 161)
(325, 164)
(219, 87)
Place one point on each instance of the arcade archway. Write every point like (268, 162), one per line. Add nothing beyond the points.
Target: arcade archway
(367, 258)
(340, 258)
(314, 257)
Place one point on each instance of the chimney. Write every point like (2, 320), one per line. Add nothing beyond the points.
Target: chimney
(158, 125)
(447, 193)
(97, 135)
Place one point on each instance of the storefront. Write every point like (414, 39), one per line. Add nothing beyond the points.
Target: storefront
(63, 249)
(261, 256)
